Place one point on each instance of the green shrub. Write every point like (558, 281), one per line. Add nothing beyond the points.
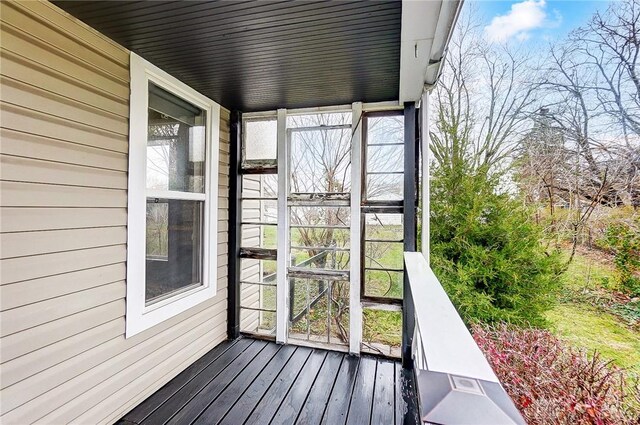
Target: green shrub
(623, 239)
(486, 251)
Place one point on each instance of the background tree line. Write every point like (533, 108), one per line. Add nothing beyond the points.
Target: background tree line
(532, 152)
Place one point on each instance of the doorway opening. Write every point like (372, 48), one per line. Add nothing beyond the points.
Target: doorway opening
(321, 229)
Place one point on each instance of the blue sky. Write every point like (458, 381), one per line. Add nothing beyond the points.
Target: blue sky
(533, 20)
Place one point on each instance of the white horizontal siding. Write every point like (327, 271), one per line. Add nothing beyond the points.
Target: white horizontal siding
(63, 188)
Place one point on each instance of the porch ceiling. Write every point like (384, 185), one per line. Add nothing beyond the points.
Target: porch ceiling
(255, 56)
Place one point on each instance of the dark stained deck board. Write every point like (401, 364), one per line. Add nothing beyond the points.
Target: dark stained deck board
(382, 411)
(268, 406)
(338, 406)
(198, 404)
(252, 396)
(292, 403)
(142, 411)
(219, 407)
(186, 393)
(362, 397)
(257, 382)
(318, 397)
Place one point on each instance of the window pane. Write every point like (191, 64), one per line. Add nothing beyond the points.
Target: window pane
(379, 283)
(259, 236)
(260, 186)
(157, 230)
(319, 237)
(258, 271)
(174, 228)
(321, 161)
(258, 297)
(384, 255)
(260, 211)
(257, 322)
(389, 129)
(319, 258)
(260, 139)
(385, 159)
(386, 227)
(175, 143)
(385, 187)
(321, 216)
(319, 311)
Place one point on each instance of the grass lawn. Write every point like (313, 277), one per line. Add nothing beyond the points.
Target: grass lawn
(593, 329)
(380, 326)
(592, 314)
(590, 271)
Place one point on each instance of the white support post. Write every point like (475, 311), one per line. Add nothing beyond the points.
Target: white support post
(282, 289)
(355, 307)
(426, 190)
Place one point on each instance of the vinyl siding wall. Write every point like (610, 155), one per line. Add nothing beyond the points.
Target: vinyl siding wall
(63, 182)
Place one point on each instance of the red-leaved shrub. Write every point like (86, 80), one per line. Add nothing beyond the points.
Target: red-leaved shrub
(552, 383)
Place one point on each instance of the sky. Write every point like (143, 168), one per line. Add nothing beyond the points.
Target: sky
(533, 21)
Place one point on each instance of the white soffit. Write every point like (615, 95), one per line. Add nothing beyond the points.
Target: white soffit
(426, 28)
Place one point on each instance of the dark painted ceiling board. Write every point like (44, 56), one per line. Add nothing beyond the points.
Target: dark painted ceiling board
(369, 93)
(293, 75)
(342, 92)
(249, 43)
(294, 49)
(375, 33)
(263, 55)
(233, 18)
(336, 24)
(259, 61)
(152, 11)
(96, 10)
(315, 82)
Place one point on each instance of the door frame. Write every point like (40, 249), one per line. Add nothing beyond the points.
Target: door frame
(284, 245)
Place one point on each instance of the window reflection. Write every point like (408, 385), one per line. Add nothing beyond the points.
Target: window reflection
(175, 143)
(174, 257)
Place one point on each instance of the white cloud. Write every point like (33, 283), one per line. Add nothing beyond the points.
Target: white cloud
(521, 19)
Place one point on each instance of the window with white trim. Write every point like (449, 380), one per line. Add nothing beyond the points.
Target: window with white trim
(172, 214)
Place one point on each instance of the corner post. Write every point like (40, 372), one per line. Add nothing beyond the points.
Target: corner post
(410, 225)
(355, 307)
(282, 282)
(425, 141)
(235, 211)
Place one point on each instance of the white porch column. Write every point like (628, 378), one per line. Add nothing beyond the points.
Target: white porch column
(426, 193)
(282, 299)
(355, 308)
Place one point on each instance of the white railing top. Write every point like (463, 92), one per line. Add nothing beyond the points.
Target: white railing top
(447, 345)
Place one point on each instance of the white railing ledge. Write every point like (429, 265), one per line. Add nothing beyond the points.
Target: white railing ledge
(455, 382)
(447, 344)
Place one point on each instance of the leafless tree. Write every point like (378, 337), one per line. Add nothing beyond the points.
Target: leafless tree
(592, 93)
(590, 98)
(480, 100)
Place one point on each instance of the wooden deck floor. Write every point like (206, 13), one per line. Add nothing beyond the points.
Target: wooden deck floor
(249, 381)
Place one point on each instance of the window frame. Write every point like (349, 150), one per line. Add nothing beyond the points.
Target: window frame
(368, 206)
(140, 316)
(256, 168)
